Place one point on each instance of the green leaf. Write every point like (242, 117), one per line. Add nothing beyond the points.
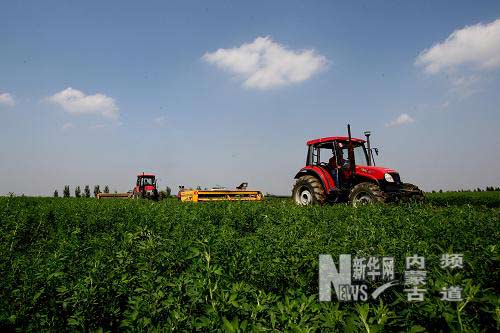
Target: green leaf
(417, 328)
(228, 326)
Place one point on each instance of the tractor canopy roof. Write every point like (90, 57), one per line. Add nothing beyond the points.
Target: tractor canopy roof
(343, 139)
(147, 175)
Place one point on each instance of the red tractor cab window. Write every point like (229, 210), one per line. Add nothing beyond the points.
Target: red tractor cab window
(336, 154)
(145, 181)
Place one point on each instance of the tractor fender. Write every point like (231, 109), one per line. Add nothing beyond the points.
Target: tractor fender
(321, 174)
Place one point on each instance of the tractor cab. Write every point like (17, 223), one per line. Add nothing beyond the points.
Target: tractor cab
(146, 186)
(332, 155)
(342, 168)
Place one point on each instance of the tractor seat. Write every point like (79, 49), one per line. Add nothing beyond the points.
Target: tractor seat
(328, 167)
(331, 168)
(332, 163)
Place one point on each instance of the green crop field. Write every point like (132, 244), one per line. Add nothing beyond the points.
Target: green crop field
(83, 264)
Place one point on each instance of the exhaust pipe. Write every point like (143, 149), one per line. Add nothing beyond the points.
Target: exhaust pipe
(352, 162)
(370, 158)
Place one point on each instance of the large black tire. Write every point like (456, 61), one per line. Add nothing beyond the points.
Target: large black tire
(138, 195)
(417, 195)
(308, 190)
(366, 193)
(155, 195)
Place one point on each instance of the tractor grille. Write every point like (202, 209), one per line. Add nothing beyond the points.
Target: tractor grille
(391, 187)
(396, 178)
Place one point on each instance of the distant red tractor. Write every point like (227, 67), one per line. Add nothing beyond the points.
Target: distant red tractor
(145, 187)
(342, 169)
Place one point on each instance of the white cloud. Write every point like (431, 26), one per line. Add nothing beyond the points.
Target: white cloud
(265, 64)
(7, 99)
(98, 126)
(67, 126)
(402, 119)
(465, 85)
(101, 126)
(476, 45)
(161, 120)
(76, 102)
(445, 105)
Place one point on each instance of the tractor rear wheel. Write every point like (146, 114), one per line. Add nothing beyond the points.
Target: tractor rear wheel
(308, 191)
(366, 193)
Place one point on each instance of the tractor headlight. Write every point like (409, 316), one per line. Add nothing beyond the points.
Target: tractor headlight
(388, 178)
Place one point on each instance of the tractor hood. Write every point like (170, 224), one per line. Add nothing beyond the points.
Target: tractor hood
(375, 172)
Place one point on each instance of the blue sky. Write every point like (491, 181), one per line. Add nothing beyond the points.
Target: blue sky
(171, 88)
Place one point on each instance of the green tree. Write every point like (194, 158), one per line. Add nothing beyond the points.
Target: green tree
(78, 192)
(66, 192)
(97, 190)
(106, 189)
(87, 191)
(56, 194)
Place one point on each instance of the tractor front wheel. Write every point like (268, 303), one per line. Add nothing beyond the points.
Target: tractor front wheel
(308, 191)
(156, 195)
(366, 193)
(417, 195)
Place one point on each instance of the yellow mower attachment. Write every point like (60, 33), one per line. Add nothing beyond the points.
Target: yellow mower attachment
(239, 194)
(220, 195)
(114, 195)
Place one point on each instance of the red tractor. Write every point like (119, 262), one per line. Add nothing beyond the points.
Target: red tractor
(145, 187)
(342, 169)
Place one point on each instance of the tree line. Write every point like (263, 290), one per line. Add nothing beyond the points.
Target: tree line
(78, 192)
(487, 189)
(97, 189)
